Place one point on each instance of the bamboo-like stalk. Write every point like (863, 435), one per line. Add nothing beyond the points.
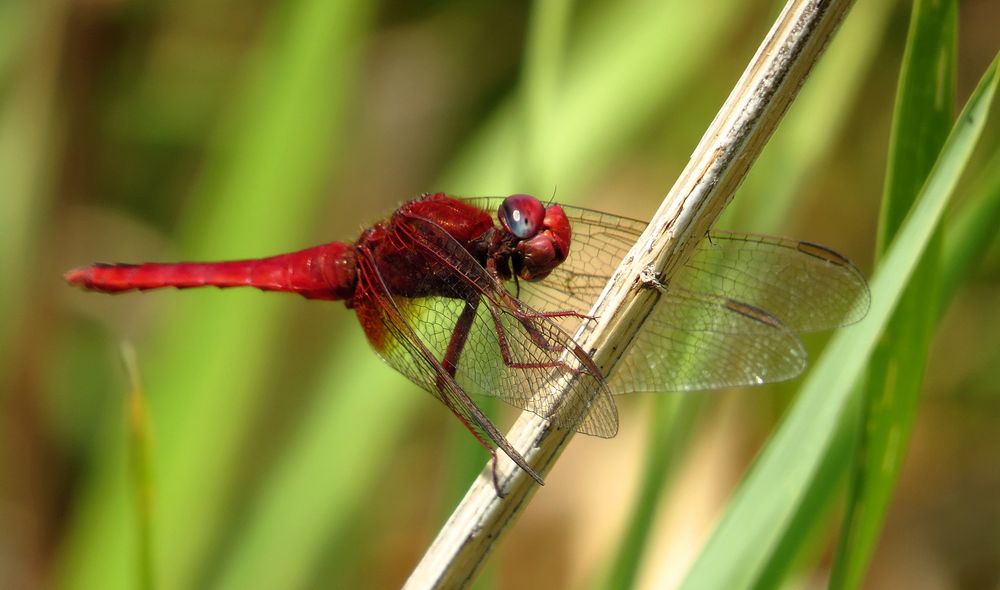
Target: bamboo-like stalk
(716, 168)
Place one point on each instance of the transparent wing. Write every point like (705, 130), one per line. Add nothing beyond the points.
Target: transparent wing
(808, 286)
(693, 341)
(395, 341)
(508, 350)
(727, 317)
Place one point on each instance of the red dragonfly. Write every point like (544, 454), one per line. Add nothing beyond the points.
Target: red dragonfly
(463, 305)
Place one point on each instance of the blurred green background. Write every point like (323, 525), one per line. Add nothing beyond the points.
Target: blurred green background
(283, 453)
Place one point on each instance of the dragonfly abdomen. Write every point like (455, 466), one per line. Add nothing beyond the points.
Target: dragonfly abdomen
(322, 272)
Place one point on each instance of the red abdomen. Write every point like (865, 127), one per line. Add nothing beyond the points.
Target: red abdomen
(322, 272)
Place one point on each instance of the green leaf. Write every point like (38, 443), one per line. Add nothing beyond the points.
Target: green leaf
(140, 464)
(759, 514)
(973, 229)
(924, 107)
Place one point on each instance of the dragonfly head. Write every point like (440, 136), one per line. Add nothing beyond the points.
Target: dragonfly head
(542, 233)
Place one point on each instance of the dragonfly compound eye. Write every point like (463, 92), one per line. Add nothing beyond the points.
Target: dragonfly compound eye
(522, 215)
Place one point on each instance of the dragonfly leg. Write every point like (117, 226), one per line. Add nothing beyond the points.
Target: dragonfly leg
(494, 458)
(496, 477)
(551, 314)
(459, 335)
(464, 325)
(450, 363)
(536, 336)
(524, 316)
(562, 314)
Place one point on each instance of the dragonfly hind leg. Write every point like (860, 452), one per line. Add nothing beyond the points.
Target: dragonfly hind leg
(459, 335)
(450, 363)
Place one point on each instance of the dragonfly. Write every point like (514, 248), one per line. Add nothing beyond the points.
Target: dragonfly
(468, 303)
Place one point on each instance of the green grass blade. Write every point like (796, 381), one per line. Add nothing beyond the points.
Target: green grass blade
(924, 110)
(140, 463)
(972, 230)
(271, 161)
(924, 107)
(805, 537)
(759, 514)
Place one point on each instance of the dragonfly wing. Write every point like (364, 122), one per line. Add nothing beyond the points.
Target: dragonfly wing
(692, 341)
(727, 318)
(523, 361)
(695, 341)
(510, 351)
(808, 286)
(397, 343)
